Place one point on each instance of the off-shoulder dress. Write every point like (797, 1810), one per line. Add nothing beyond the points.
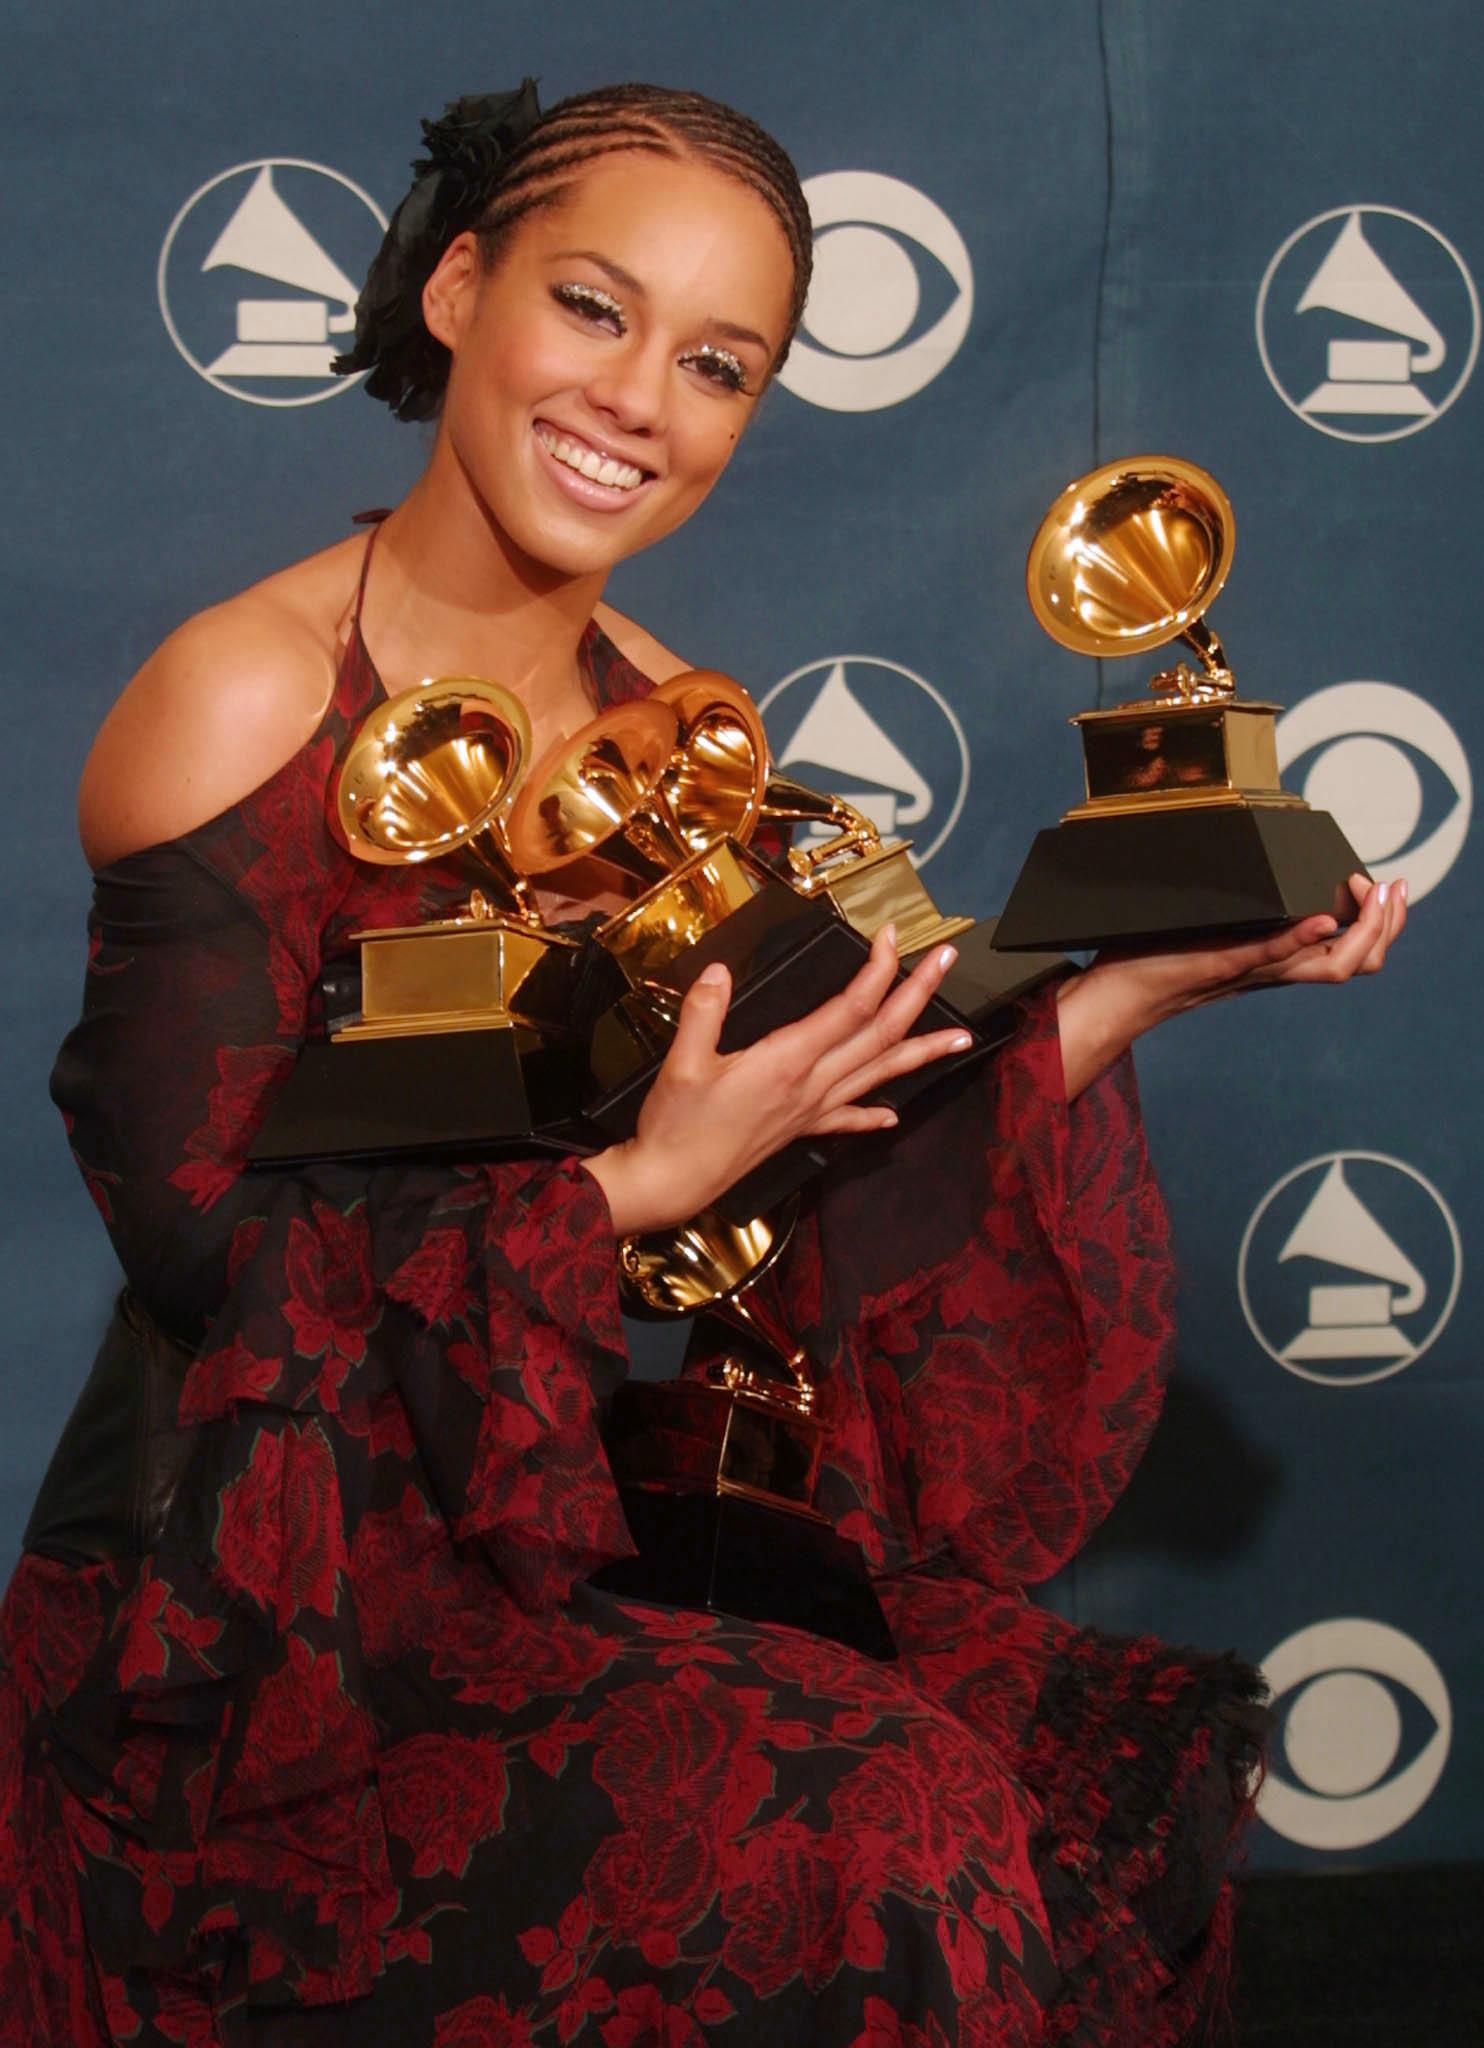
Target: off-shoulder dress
(332, 1742)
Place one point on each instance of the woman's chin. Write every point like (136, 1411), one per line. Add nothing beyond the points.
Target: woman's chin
(577, 548)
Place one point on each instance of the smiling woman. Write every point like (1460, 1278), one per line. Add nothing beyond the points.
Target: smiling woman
(608, 356)
(313, 1723)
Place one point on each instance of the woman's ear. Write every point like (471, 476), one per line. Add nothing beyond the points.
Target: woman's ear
(448, 295)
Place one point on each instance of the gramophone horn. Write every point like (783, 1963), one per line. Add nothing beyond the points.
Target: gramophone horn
(713, 787)
(709, 1263)
(427, 774)
(595, 793)
(1130, 555)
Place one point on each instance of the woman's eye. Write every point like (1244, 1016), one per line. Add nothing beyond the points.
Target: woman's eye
(719, 365)
(592, 303)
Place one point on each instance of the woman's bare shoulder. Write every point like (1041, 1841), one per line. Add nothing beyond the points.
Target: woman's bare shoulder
(650, 656)
(219, 707)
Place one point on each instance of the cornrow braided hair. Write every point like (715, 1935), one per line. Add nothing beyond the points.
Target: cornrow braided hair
(494, 158)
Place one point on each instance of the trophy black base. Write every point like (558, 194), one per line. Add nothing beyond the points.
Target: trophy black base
(788, 953)
(980, 990)
(1165, 875)
(393, 1091)
(984, 984)
(462, 1094)
(728, 1554)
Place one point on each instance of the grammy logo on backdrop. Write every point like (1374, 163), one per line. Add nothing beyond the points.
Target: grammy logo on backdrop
(1349, 1268)
(1352, 1319)
(859, 759)
(1367, 323)
(1370, 375)
(254, 279)
(281, 337)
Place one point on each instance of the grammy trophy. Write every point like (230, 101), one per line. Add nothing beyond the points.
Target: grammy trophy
(460, 1033)
(1185, 827)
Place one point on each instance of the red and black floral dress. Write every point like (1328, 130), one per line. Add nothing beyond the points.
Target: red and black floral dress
(335, 1744)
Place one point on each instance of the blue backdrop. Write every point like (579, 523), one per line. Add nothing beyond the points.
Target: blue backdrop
(1046, 237)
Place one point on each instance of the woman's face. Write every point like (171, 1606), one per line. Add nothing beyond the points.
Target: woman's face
(604, 368)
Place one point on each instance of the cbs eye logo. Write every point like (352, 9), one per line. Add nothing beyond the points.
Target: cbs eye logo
(1361, 1695)
(1391, 769)
(853, 353)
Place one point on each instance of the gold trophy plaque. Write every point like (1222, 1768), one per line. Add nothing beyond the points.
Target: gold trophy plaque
(1185, 827)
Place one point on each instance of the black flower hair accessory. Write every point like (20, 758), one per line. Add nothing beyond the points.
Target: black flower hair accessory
(467, 148)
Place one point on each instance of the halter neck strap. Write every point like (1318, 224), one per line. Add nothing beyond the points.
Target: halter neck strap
(373, 520)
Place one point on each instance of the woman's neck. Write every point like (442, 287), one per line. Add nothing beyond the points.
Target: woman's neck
(450, 595)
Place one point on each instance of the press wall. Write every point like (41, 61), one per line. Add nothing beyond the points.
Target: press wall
(1048, 236)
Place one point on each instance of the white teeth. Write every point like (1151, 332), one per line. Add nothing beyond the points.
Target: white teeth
(601, 469)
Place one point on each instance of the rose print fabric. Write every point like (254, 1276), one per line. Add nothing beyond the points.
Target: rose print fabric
(353, 1752)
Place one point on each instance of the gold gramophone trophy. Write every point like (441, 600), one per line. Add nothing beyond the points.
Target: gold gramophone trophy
(465, 1031)
(717, 1474)
(1185, 827)
(668, 792)
(663, 806)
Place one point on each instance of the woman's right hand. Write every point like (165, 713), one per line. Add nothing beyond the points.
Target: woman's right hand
(710, 1116)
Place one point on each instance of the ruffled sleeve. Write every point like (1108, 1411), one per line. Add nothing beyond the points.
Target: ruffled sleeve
(485, 1296)
(425, 1348)
(989, 1295)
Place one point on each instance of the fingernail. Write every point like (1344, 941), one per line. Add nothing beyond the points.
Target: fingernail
(1382, 893)
(947, 957)
(960, 1041)
(1401, 888)
(889, 933)
(713, 976)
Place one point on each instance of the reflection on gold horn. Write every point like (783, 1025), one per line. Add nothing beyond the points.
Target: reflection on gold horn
(1129, 557)
(713, 787)
(647, 784)
(599, 792)
(742, 1430)
(662, 789)
(427, 775)
(709, 1263)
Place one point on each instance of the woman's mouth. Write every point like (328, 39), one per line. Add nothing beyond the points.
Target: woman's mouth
(588, 466)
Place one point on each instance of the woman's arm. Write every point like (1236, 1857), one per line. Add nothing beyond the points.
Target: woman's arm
(1124, 994)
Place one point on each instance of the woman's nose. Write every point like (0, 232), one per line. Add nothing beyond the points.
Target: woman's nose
(630, 387)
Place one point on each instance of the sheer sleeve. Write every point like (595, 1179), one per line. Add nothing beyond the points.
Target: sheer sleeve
(484, 1296)
(421, 1350)
(990, 1292)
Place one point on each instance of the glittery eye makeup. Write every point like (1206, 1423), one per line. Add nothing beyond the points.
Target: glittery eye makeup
(592, 302)
(720, 365)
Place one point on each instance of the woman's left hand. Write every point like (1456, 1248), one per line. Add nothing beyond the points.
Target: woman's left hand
(1123, 994)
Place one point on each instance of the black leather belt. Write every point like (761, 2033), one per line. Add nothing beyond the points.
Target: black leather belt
(113, 1476)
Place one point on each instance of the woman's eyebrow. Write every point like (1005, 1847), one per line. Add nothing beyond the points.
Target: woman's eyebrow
(626, 281)
(734, 333)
